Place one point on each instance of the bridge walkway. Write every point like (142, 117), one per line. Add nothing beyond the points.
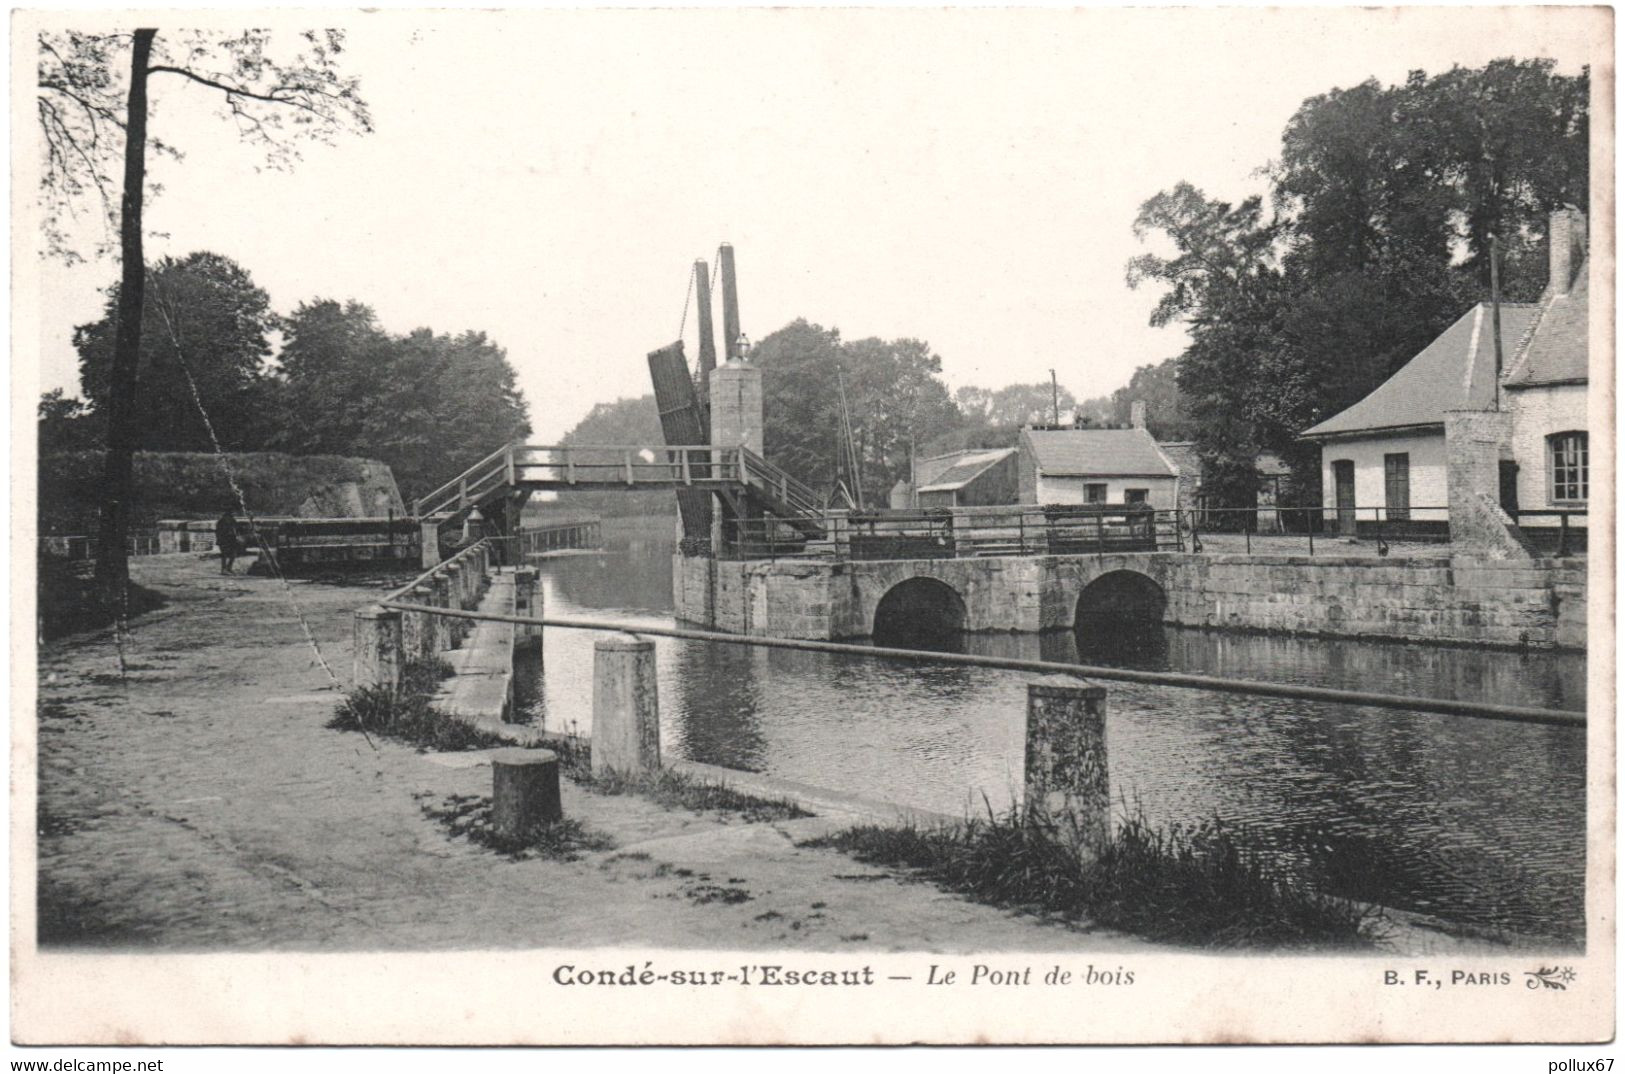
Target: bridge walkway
(738, 474)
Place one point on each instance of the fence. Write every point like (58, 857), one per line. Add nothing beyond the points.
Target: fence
(949, 533)
(547, 537)
(1561, 532)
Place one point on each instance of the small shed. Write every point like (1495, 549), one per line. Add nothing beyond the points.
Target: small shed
(975, 479)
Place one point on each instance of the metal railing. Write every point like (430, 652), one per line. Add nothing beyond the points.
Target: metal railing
(962, 532)
(1569, 537)
(1438, 706)
(1296, 528)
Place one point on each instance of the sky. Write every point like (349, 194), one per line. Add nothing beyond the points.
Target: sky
(966, 177)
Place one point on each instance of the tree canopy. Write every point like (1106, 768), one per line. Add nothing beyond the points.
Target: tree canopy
(1384, 199)
(92, 107)
(894, 393)
(206, 324)
(427, 403)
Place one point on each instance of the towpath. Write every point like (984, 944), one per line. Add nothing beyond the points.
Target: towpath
(198, 803)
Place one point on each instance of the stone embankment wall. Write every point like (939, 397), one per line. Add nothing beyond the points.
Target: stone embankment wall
(1467, 600)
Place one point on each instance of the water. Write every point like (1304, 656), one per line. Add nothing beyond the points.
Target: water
(1471, 820)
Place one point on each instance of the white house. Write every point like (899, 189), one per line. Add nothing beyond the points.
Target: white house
(1384, 457)
(1546, 386)
(1519, 444)
(1104, 466)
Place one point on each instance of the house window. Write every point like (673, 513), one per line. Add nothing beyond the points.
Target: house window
(1396, 483)
(1136, 495)
(1570, 454)
(1094, 494)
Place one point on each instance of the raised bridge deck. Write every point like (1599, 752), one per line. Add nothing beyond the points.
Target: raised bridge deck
(736, 473)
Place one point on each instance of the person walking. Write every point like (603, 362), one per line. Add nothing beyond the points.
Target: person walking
(225, 539)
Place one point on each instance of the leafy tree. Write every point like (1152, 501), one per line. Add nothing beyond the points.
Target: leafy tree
(66, 424)
(206, 329)
(429, 405)
(1157, 385)
(894, 392)
(92, 112)
(1377, 193)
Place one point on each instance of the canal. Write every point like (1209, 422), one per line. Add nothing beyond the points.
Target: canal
(1478, 822)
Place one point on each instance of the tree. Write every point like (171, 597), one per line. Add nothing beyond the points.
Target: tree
(429, 405)
(1158, 387)
(66, 424)
(83, 105)
(1385, 200)
(893, 388)
(206, 331)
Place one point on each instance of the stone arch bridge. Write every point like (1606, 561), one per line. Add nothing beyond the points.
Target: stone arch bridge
(1469, 600)
(825, 599)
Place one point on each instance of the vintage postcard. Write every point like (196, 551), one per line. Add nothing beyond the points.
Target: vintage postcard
(809, 526)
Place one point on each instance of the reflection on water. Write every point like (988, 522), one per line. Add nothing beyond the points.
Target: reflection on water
(1472, 820)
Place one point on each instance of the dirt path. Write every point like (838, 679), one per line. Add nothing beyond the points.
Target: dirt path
(199, 804)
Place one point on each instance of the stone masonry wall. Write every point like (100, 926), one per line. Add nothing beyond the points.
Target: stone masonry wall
(1538, 603)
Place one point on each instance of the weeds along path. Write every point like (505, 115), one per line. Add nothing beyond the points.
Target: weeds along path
(200, 804)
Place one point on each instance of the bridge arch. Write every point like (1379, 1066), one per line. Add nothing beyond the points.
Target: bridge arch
(919, 612)
(1120, 597)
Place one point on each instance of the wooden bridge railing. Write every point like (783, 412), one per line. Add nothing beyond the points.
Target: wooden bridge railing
(529, 466)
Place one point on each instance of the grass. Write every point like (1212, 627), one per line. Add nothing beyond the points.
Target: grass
(405, 713)
(677, 791)
(1192, 885)
(469, 816)
(668, 788)
(69, 603)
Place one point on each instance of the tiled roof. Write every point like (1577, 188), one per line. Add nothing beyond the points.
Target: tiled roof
(1097, 453)
(1557, 350)
(970, 466)
(1454, 372)
(926, 471)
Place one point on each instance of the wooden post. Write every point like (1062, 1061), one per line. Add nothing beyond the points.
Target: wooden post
(1067, 778)
(625, 706)
(524, 791)
(708, 345)
(730, 303)
(377, 647)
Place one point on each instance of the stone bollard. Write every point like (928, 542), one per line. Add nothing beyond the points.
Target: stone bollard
(454, 576)
(417, 628)
(429, 544)
(625, 706)
(377, 647)
(527, 600)
(524, 791)
(441, 598)
(1066, 777)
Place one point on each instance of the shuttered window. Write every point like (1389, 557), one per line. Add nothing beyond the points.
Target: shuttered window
(1396, 483)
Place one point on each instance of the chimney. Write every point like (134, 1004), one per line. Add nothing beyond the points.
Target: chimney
(1566, 246)
(1136, 412)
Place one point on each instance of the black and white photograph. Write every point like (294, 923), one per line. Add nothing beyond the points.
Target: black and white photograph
(812, 526)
